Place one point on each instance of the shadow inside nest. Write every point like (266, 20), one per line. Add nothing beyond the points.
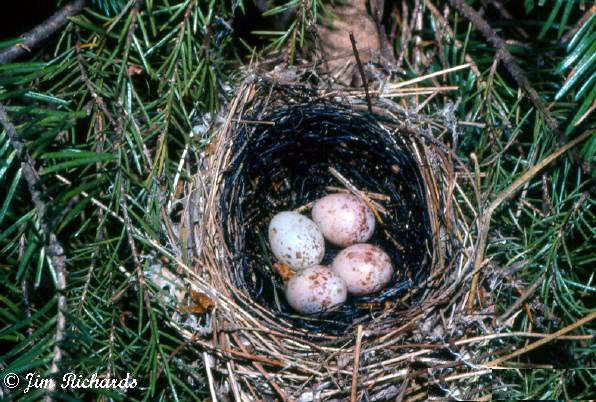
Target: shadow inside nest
(282, 163)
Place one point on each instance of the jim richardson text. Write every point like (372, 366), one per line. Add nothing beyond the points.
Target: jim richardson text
(74, 381)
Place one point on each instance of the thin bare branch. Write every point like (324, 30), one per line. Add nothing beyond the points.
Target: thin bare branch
(361, 70)
(53, 247)
(41, 32)
(542, 341)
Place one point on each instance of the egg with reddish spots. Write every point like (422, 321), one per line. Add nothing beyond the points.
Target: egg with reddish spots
(315, 290)
(364, 268)
(295, 240)
(344, 219)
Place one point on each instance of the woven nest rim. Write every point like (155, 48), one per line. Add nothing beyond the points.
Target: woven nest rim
(252, 330)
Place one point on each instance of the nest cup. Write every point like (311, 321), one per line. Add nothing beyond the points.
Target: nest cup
(274, 151)
(283, 161)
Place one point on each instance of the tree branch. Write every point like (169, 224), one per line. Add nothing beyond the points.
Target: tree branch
(41, 32)
(517, 73)
(54, 249)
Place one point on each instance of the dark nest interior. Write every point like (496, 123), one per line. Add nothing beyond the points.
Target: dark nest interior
(281, 161)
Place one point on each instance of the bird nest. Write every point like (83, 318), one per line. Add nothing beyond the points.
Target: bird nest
(280, 147)
(298, 153)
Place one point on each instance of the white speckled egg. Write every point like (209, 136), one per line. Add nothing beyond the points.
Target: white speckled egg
(344, 219)
(295, 240)
(315, 290)
(364, 268)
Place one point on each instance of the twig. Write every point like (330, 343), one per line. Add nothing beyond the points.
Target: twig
(354, 395)
(401, 393)
(427, 76)
(464, 375)
(527, 293)
(99, 148)
(110, 365)
(371, 195)
(359, 194)
(25, 286)
(361, 70)
(304, 207)
(542, 341)
(93, 200)
(477, 186)
(96, 97)
(517, 73)
(427, 349)
(209, 376)
(261, 369)
(41, 32)
(176, 351)
(456, 42)
(53, 247)
(120, 126)
(231, 368)
(547, 203)
(122, 13)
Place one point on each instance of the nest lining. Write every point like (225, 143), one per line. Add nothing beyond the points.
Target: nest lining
(285, 164)
(255, 168)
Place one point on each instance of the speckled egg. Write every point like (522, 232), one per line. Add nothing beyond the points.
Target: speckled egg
(364, 268)
(315, 290)
(295, 240)
(344, 219)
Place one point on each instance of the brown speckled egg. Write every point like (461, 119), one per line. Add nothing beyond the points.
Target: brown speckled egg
(315, 290)
(364, 268)
(344, 219)
(295, 240)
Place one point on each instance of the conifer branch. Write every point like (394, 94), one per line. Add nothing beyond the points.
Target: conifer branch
(510, 63)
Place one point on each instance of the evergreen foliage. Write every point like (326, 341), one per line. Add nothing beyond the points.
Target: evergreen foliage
(107, 107)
